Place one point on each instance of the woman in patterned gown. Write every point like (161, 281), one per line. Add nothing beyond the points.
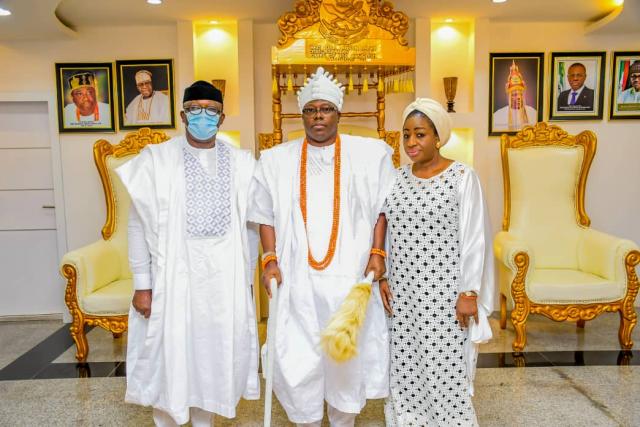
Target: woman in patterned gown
(440, 276)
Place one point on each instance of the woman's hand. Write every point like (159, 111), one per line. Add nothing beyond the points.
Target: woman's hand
(387, 297)
(271, 270)
(466, 307)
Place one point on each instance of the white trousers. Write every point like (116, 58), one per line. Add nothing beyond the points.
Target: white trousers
(336, 419)
(199, 418)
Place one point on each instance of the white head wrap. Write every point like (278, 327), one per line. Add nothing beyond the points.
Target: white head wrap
(436, 113)
(321, 85)
(143, 76)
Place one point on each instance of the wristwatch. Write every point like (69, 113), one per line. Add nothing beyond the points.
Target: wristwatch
(469, 294)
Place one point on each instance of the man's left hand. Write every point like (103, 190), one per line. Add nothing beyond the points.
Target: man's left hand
(376, 264)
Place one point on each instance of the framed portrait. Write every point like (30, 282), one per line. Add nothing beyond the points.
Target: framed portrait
(145, 93)
(576, 89)
(85, 97)
(625, 86)
(515, 91)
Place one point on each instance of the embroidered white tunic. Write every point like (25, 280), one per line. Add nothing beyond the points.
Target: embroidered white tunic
(199, 346)
(155, 109)
(303, 376)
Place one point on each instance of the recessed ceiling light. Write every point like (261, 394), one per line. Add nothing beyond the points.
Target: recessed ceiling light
(213, 22)
(448, 20)
(154, 1)
(499, 1)
(4, 12)
(618, 2)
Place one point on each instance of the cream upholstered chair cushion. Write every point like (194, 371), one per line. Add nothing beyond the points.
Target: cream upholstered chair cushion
(103, 266)
(99, 281)
(550, 261)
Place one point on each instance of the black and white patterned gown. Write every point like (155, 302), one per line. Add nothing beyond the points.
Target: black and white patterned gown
(429, 383)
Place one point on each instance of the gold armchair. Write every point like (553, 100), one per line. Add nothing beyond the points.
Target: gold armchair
(99, 284)
(550, 261)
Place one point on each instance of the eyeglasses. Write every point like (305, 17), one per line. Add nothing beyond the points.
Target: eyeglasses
(310, 111)
(635, 76)
(196, 109)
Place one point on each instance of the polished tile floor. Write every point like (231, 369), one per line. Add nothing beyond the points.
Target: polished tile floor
(566, 377)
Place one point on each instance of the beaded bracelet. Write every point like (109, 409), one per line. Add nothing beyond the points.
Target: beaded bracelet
(376, 251)
(267, 259)
(266, 254)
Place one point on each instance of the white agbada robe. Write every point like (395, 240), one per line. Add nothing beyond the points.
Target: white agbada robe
(157, 106)
(303, 376)
(199, 346)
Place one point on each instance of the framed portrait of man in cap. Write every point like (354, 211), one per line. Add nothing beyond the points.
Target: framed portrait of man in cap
(145, 93)
(515, 94)
(577, 85)
(85, 97)
(625, 86)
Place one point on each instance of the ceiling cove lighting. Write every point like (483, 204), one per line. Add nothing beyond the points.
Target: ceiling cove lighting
(4, 12)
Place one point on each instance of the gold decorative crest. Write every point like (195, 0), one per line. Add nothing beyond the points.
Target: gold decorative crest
(343, 22)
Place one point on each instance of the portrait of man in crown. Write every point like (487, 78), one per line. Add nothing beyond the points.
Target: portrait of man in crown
(85, 97)
(516, 91)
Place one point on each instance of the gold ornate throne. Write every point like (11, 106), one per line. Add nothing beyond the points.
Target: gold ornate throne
(550, 261)
(99, 284)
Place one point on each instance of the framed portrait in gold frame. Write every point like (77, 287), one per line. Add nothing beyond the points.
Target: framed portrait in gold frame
(145, 94)
(515, 91)
(625, 86)
(85, 97)
(577, 85)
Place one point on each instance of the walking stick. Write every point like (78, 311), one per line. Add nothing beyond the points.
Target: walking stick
(271, 349)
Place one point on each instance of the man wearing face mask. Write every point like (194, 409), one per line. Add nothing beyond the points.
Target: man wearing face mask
(192, 342)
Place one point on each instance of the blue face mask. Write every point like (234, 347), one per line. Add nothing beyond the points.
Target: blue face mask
(202, 126)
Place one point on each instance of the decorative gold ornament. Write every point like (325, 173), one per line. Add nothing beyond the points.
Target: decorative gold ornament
(219, 84)
(450, 86)
(343, 22)
(132, 143)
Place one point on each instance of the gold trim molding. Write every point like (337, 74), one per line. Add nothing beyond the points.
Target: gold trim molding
(523, 306)
(114, 324)
(132, 143)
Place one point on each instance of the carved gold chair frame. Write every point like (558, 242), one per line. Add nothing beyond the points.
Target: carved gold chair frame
(102, 150)
(543, 134)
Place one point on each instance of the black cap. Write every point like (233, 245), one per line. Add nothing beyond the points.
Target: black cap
(202, 90)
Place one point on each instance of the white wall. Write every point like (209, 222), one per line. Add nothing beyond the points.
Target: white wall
(613, 193)
(32, 69)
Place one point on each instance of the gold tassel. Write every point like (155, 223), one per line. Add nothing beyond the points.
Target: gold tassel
(396, 86)
(410, 84)
(340, 338)
(350, 83)
(365, 84)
